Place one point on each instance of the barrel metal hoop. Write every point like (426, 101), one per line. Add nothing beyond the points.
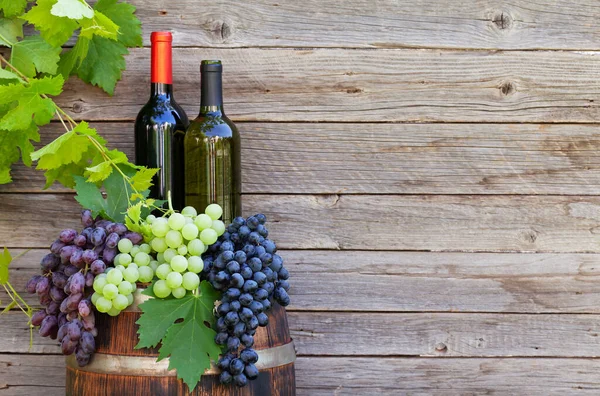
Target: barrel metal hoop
(103, 363)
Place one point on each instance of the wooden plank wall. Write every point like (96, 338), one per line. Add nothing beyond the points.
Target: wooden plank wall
(431, 170)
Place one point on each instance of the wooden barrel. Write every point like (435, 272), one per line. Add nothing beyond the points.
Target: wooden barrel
(119, 369)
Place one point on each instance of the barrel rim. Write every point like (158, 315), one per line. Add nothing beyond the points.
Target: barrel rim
(103, 363)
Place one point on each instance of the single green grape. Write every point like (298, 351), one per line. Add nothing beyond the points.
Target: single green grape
(203, 221)
(176, 221)
(113, 311)
(146, 274)
(125, 288)
(179, 263)
(208, 236)
(180, 292)
(160, 257)
(190, 281)
(153, 264)
(120, 302)
(134, 250)
(214, 211)
(160, 227)
(132, 265)
(182, 250)
(189, 220)
(150, 219)
(190, 231)
(219, 227)
(174, 280)
(114, 276)
(142, 259)
(125, 259)
(99, 284)
(144, 247)
(131, 274)
(125, 245)
(159, 245)
(119, 267)
(110, 291)
(115, 260)
(189, 211)
(103, 305)
(169, 254)
(195, 247)
(163, 270)
(174, 239)
(129, 299)
(195, 264)
(95, 297)
(160, 289)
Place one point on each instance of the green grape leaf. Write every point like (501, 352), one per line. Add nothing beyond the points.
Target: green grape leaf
(104, 169)
(117, 191)
(189, 343)
(103, 64)
(123, 14)
(71, 60)
(34, 53)
(31, 105)
(73, 9)
(99, 25)
(55, 30)
(142, 180)
(5, 260)
(10, 31)
(15, 144)
(8, 75)
(13, 8)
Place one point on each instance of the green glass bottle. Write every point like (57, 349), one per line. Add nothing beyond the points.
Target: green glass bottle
(212, 150)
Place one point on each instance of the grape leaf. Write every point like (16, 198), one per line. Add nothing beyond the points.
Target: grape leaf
(117, 191)
(10, 144)
(103, 64)
(102, 170)
(73, 9)
(12, 8)
(123, 14)
(8, 75)
(55, 30)
(31, 105)
(189, 344)
(10, 31)
(99, 25)
(5, 260)
(33, 52)
(71, 60)
(142, 180)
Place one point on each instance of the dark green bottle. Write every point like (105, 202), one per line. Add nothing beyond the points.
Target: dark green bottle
(212, 150)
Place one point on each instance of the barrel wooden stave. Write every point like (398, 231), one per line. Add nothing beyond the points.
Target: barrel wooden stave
(118, 336)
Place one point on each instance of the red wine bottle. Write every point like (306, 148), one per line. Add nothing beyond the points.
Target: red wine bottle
(160, 127)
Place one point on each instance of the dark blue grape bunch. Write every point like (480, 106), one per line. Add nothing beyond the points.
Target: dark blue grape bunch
(244, 265)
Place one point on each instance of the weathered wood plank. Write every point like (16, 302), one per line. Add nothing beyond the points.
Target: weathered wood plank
(367, 222)
(368, 376)
(419, 281)
(413, 334)
(517, 24)
(416, 158)
(364, 85)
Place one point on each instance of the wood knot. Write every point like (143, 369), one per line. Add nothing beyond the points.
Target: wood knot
(353, 90)
(225, 30)
(162, 12)
(441, 347)
(502, 20)
(77, 107)
(507, 88)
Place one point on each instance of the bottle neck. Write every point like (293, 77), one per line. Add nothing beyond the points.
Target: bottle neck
(161, 90)
(211, 87)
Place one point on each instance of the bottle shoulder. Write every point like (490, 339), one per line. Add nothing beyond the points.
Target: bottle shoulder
(162, 111)
(213, 126)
